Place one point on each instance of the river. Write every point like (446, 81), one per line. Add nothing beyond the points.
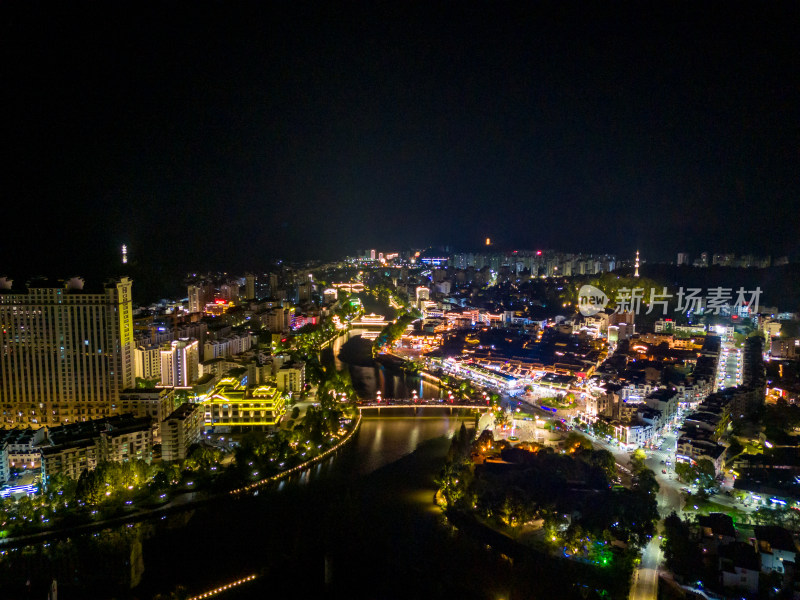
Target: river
(363, 513)
(352, 352)
(362, 524)
(367, 512)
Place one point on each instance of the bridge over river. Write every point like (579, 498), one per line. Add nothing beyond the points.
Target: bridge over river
(417, 403)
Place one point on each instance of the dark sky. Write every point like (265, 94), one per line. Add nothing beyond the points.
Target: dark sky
(220, 136)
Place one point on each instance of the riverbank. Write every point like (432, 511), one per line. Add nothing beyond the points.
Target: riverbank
(184, 501)
(302, 466)
(346, 522)
(565, 578)
(401, 545)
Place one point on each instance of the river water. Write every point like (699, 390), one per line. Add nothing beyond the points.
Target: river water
(359, 514)
(354, 353)
(362, 523)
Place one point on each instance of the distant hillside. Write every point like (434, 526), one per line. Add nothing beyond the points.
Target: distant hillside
(780, 286)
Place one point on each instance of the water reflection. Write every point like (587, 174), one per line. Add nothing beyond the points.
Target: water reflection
(238, 537)
(392, 384)
(296, 522)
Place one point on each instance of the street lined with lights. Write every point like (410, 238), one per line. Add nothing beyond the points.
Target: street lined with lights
(301, 467)
(223, 588)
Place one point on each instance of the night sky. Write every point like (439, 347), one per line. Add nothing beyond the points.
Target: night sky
(216, 136)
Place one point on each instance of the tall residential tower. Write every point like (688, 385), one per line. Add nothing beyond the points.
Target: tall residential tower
(66, 352)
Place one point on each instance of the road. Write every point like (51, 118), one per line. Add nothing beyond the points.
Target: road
(729, 368)
(645, 579)
(670, 499)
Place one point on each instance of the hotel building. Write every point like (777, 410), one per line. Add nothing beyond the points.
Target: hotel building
(66, 351)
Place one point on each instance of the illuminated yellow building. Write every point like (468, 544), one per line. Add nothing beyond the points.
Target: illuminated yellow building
(217, 308)
(232, 404)
(66, 351)
(420, 342)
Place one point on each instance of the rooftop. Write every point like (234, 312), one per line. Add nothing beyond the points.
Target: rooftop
(718, 523)
(184, 410)
(774, 537)
(87, 430)
(741, 555)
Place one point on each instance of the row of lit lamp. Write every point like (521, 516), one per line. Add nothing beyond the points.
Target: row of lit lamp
(299, 467)
(223, 588)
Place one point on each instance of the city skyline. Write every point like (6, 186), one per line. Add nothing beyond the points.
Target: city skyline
(116, 412)
(502, 297)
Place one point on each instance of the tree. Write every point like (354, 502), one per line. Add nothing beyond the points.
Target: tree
(517, 508)
(637, 460)
(501, 418)
(706, 467)
(603, 428)
(604, 460)
(89, 488)
(179, 593)
(706, 473)
(683, 557)
(685, 472)
(575, 442)
(59, 482)
(646, 482)
(142, 383)
(735, 448)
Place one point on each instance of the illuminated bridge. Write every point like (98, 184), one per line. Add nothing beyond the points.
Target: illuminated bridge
(371, 320)
(350, 287)
(371, 325)
(423, 403)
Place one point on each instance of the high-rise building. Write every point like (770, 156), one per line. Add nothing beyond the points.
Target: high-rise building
(291, 377)
(273, 284)
(229, 291)
(200, 294)
(304, 291)
(66, 351)
(180, 363)
(147, 362)
(683, 258)
(181, 430)
(249, 286)
(156, 403)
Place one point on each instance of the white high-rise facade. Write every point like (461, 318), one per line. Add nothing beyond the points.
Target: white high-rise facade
(147, 362)
(180, 363)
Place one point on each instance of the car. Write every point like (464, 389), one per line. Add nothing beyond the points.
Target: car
(664, 471)
(662, 462)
